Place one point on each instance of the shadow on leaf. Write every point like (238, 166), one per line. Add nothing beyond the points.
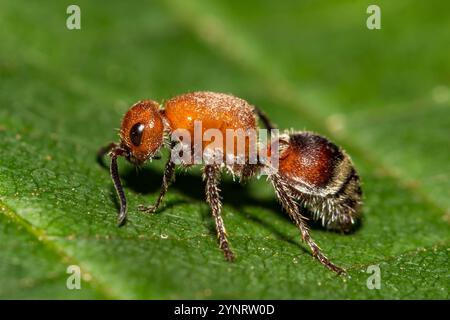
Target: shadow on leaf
(147, 180)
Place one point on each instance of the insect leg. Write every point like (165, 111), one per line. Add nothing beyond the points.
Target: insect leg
(169, 174)
(265, 119)
(115, 152)
(104, 151)
(211, 175)
(289, 204)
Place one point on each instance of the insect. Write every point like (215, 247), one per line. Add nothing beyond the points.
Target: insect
(313, 173)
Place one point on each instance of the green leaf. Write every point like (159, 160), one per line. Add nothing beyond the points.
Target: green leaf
(383, 95)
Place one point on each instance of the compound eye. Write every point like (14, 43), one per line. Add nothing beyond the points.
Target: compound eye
(136, 134)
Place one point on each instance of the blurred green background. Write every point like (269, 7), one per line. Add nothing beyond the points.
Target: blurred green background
(384, 95)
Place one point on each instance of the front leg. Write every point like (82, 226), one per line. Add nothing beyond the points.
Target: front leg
(211, 175)
(104, 151)
(169, 174)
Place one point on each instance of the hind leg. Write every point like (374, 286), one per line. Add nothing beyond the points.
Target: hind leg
(289, 204)
(265, 119)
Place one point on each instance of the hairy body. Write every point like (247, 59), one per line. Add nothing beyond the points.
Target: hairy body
(312, 173)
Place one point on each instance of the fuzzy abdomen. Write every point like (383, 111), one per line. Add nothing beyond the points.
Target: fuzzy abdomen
(323, 178)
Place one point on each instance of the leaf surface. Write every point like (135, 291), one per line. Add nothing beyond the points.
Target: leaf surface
(383, 95)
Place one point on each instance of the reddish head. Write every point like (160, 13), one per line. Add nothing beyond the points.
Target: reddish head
(142, 131)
